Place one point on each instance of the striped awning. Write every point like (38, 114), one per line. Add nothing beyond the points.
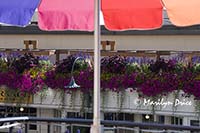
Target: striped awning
(117, 14)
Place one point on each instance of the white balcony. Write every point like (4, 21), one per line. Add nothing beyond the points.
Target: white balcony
(126, 101)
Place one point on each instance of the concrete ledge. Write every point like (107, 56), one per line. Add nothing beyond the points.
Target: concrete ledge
(165, 30)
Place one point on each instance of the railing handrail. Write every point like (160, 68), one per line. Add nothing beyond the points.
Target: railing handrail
(103, 122)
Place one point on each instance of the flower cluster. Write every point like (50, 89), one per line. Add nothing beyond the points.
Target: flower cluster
(150, 78)
(23, 72)
(59, 77)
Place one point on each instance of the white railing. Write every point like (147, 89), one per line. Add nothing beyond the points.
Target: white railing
(120, 102)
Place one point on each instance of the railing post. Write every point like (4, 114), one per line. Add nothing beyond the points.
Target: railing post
(10, 129)
(48, 128)
(185, 123)
(63, 115)
(26, 128)
(71, 128)
(137, 130)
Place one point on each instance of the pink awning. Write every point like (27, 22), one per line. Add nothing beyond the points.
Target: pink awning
(66, 15)
(183, 12)
(132, 14)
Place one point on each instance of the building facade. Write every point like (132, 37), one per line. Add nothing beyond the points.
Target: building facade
(131, 108)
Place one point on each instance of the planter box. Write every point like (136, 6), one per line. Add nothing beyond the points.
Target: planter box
(58, 98)
(49, 97)
(126, 101)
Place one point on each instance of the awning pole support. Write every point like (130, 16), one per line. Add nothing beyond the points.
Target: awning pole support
(96, 127)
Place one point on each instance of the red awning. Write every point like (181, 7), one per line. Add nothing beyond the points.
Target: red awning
(132, 14)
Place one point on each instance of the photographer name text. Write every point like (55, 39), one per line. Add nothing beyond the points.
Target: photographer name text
(162, 102)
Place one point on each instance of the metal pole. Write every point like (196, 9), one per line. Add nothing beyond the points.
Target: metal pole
(48, 128)
(11, 130)
(96, 127)
(26, 128)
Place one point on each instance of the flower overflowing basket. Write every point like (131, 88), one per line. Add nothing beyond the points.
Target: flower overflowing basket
(153, 80)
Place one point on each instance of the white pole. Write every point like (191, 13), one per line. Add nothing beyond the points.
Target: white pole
(96, 127)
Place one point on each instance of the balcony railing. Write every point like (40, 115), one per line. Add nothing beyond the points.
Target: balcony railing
(115, 126)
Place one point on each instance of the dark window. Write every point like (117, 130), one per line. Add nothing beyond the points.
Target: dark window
(82, 116)
(32, 127)
(71, 115)
(89, 115)
(129, 117)
(176, 120)
(32, 110)
(119, 116)
(79, 115)
(194, 123)
(108, 116)
(150, 118)
(161, 119)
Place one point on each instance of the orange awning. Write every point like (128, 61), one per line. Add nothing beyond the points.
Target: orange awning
(183, 12)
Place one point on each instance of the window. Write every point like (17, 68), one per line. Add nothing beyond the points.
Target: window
(150, 118)
(80, 116)
(161, 119)
(194, 123)
(8, 111)
(119, 116)
(176, 120)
